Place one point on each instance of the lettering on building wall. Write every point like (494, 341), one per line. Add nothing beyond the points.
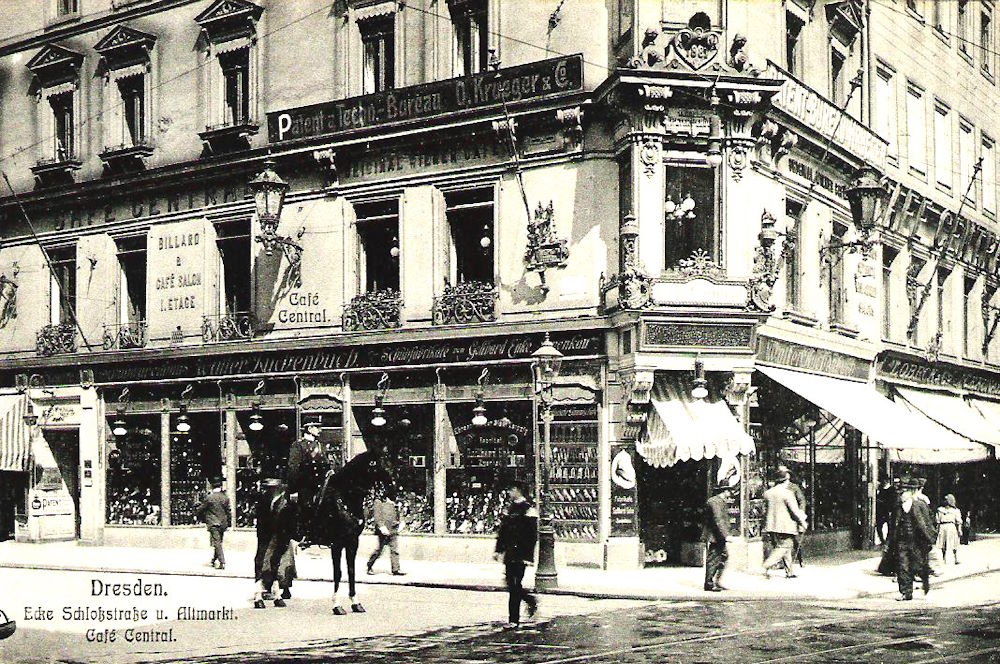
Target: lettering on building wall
(304, 307)
(818, 360)
(807, 172)
(866, 286)
(530, 81)
(176, 290)
(911, 371)
(477, 150)
(813, 110)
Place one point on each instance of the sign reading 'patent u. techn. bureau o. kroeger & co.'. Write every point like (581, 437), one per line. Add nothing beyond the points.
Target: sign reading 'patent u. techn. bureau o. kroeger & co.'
(536, 80)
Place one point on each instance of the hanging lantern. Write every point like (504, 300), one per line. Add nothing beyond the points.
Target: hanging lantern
(269, 196)
(183, 424)
(256, 421)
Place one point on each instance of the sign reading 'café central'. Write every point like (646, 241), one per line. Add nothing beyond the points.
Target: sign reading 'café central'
(536, 80)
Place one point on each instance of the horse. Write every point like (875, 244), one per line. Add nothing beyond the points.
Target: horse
(337, 517)
(341, 516)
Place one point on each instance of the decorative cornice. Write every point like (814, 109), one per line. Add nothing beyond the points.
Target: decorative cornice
(225, 19)
(55, 64)
(123, 41)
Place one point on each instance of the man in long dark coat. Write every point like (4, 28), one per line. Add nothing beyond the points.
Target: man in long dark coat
(915, 536)
(891, 498)
(716, 532)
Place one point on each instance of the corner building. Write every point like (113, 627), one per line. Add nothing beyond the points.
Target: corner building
(646, 183)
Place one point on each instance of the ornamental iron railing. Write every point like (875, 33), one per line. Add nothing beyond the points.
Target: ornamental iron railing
(466, 302)
(56, 339)
(235, 326)
(376, 310)
(129, 335)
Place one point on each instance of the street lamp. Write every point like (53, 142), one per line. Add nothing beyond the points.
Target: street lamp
(479, 412)
(119, 428)
(183, 424)
(866, 196)
(700, 389)
(548, 360)
(268, 196)
(378, 412)
(256, 421)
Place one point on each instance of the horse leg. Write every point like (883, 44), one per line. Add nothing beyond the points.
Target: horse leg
(352, 554)
(335, 556)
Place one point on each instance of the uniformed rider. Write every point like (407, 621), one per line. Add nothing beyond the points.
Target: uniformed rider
(304, 458)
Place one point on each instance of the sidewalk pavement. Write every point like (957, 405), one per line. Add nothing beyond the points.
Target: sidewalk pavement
(847, 575)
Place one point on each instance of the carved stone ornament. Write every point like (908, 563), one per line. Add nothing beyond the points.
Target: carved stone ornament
(699, 264)
(327, 160)
(545, 249)
(696, 45)
(571, 121)
(765, 266)
(933, 351)
(649, 156)
(738, 152)
(637, 387)
(8, 298)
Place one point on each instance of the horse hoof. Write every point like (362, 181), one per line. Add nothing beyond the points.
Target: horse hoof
(286, 594)
(280, 603)
(357, 608)
(339, 611)
(259, 604)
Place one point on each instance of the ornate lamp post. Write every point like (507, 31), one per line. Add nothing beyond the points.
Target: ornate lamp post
(269, 197)
(866, 196)
(548, 360)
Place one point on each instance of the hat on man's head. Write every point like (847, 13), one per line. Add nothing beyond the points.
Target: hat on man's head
(783, 469)
(909, 482)
(921, 482)
(781, 474)
(311, 421)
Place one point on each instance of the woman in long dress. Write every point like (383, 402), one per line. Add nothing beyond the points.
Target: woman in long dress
(949, 520)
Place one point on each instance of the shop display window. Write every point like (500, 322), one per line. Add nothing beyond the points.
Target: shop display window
(195, 458)
(133, 472)
(407, 439)
(573, 483)
(259, 453)
(483, 460)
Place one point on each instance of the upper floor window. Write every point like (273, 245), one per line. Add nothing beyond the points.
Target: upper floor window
(63, 285)
(793, 44)
(942, 146)
(126, 59)
(64, 126)
(378, 233)
(988, 176)
(835, 282)
(378, 36)
(940, 297)
(67, 7)
(472, 37)
(470, 219)
(233, 241)
(888, 257)
(132, 277)
(937, 14)
(235, 67)
(793, 256)
(885, 107)
(966, 160)
(986, 37)
(230, 74)
(838, 88)
(916, 127)
(690, 226)
(967, 316)
(963, 26)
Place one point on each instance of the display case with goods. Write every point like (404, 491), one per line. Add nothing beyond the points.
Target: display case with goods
(573, 481)
(133, 471)
(187, 481)
(485, 459)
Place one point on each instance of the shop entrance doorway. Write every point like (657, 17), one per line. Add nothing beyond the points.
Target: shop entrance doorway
(12, 486)
(671, 501)
(65, 446)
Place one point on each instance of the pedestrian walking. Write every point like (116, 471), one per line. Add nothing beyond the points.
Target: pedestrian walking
(949, 523)
(885, 500)
(214, 512)
(516, 545)
(781, 524)
(800, 500)
(386, 519)
(716, 532)
(887, 564)
(915, 537)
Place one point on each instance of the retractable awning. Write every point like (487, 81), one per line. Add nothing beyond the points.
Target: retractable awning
(990, 410)
(681, 428)
(951, 411)
(14, 439)
(889, 424)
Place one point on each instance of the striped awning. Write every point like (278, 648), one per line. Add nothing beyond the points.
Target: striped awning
(14, 439)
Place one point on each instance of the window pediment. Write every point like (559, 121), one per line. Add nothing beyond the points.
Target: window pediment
(844, 19)
(227, 19)
(55, 64)
(125, 46)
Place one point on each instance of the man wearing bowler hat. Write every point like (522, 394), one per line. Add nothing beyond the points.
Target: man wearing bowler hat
(716, 530)
(304, 458)
(915, 536)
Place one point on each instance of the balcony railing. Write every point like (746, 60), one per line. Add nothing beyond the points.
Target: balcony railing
(467, 302)
(236, 326)
(377, 310)
(122, 337)
(56, 339)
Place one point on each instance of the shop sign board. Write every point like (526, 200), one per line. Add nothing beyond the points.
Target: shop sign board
(866, 288)
(50, 503)
(452, 152)
(893, 367)
(623, 492)
(813, 110)
(467, 349)
(816, 360)
(528, 82)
